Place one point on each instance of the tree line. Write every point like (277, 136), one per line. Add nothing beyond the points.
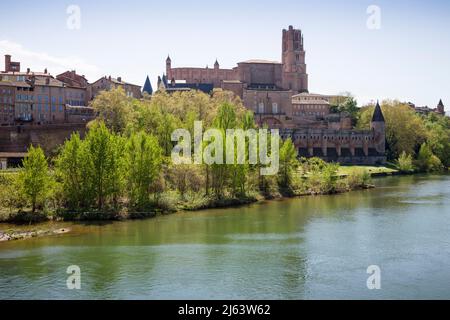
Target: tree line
(122, 166)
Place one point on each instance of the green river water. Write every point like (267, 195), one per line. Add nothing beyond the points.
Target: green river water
(305, 248)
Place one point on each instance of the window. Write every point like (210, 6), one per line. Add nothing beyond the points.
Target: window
(274, 108)
(261, 107)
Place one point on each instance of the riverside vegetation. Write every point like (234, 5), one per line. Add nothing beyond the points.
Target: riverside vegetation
(122, 167)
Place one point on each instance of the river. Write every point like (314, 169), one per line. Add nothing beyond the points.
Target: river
(316, 247)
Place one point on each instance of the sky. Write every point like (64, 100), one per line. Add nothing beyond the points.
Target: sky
(401, 53)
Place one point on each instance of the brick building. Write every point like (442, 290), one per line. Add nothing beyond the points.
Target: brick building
(7, 102)
(425, 110)
(108, 83)
(278, 94)
(38, 98)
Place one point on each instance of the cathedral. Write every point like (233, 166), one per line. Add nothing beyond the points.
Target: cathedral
(277, 93)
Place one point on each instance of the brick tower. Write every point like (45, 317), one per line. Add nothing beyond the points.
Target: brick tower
(293, 58)
(169, 67)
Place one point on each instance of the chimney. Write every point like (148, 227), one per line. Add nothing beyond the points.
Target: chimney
(119, 79)
(109, 78)
(45, 70)
(28, 70)
(7, 62)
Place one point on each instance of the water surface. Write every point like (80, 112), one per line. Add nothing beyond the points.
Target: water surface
(304, 248)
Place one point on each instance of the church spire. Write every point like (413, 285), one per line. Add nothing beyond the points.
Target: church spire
(148, 86)
(377, 114)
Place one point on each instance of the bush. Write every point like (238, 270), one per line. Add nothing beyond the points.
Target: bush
(427, 161)
(358, 179)
(405, 163)
(167, 201)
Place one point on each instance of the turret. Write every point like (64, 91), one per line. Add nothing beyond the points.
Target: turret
(168, 66)
(216, 65)
(378, 127)
(160, 84)
(440, 108)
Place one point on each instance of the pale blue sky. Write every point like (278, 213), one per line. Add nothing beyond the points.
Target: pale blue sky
(408, 58)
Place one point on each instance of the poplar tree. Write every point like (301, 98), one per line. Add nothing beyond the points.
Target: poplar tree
(34, 179)
(143, 165)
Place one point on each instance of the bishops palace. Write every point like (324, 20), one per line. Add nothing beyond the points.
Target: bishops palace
(277, 93)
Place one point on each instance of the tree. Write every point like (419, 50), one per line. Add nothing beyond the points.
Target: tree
(288, 164)
(185, 178)
(104, 164)
(72, 164)
(438, 137)
(427, 161)
(345, 103)
(114, 108)
(405, 130)
(34, 180)
(226, 119)
(143, 164)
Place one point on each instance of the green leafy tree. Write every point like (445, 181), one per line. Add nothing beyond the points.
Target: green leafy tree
(427, 161)
(105, 164)
(114, 108)
(288, 164)
(72, 164)
(405, 130)
(345, 103)
(438, 137)
(143, 164)
(34, 179)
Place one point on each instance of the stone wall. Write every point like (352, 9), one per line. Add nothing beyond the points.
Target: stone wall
(19, 138)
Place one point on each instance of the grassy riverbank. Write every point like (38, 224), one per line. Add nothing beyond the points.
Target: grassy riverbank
(374, 171)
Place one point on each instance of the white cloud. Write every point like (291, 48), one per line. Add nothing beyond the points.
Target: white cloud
(38, 61)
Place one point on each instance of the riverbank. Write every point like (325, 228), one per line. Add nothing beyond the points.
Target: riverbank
(26, 225)
(191, 202)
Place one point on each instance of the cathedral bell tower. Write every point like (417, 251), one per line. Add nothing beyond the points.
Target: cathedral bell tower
(169, 67)
(293, 59)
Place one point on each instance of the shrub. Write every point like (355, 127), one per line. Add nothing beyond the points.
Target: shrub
(358, 179)
(405, 163)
